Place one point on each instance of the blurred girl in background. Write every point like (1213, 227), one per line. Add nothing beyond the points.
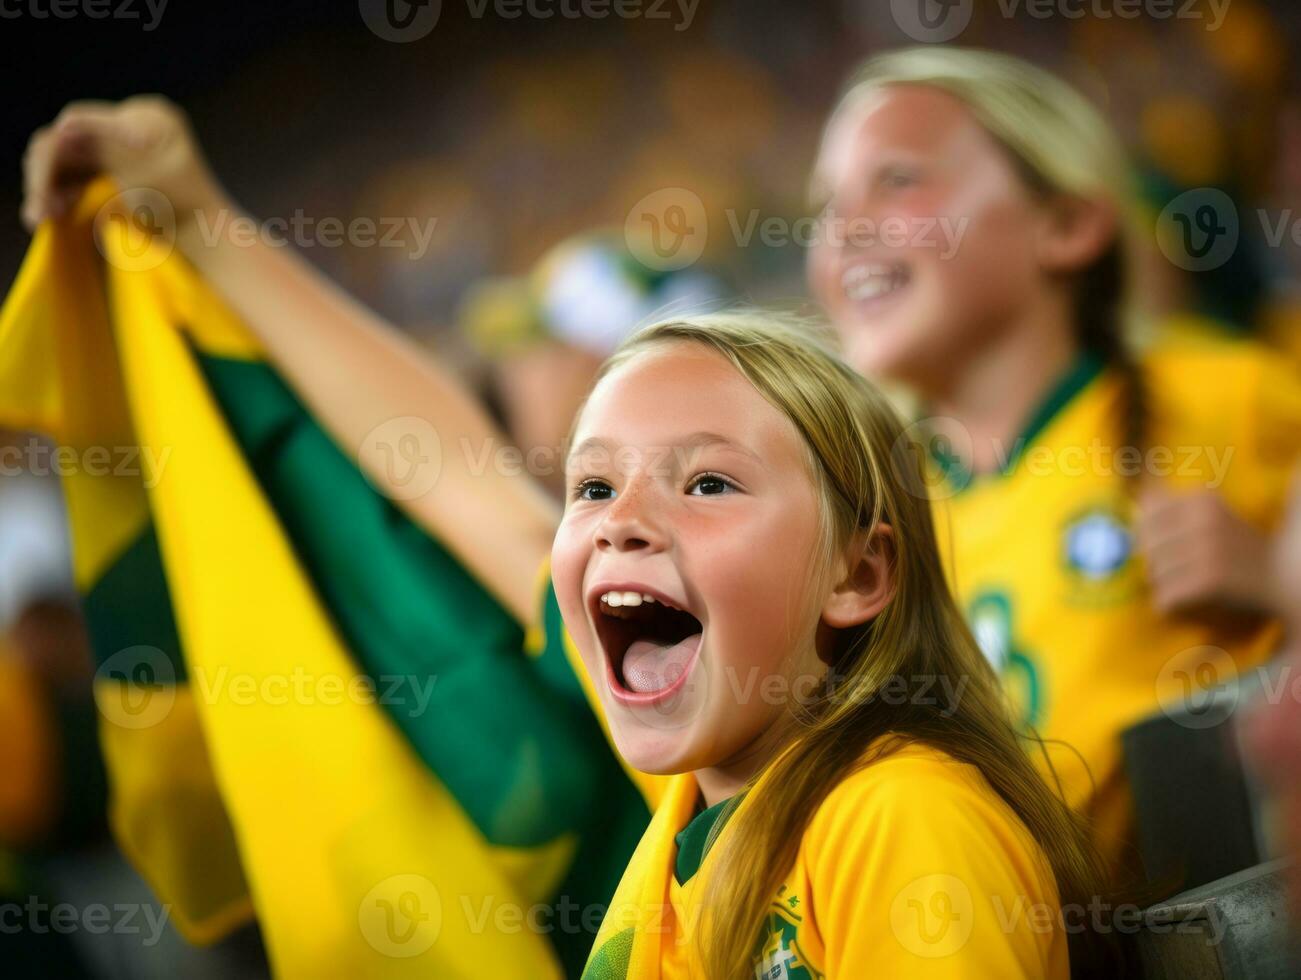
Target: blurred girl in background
(1108, 512)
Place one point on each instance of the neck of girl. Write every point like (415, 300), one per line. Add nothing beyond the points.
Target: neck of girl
(725, 780)
(1002, 383)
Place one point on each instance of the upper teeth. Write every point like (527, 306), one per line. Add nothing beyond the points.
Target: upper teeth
(626, 598)
(869, 280)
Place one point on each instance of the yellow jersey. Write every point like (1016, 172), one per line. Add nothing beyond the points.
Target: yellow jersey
(1041, 555)
(911, 867)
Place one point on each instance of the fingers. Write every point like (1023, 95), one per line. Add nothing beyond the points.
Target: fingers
(1199, 553)
(1180, 562)
(1163, 515)
(1184, 583)
(1173, 532)
(60, 158)
(88, 138)
(36, 167)
(1286, 570)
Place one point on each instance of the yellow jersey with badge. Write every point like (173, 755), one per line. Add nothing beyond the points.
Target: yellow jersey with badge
(1042, 554)
(911, 867)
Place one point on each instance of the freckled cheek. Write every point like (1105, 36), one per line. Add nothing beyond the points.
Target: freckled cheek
(756, 606)
(569, 554)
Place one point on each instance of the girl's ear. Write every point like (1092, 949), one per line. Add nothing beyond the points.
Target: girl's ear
(868, 583)
(1075, 232)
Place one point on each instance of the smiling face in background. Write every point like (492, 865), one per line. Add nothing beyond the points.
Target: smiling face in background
(684, 560)
(939, 235)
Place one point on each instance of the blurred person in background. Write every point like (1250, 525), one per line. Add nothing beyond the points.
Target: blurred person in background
(1273, 729)
(45, 665)
(55, 847)
(545, 334)
(1089, 564)
(48, 757)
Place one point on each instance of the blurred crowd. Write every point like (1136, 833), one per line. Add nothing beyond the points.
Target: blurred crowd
(535, 145)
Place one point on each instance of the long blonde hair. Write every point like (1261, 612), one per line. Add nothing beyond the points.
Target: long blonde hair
(866, 472)
(1062, 146)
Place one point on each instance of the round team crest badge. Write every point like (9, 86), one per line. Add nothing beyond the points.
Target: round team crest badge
(1098, 544)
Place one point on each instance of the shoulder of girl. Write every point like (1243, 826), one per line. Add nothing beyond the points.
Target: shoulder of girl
(1222, 370)
(915, 813)
(916, 783)
(1224, 393)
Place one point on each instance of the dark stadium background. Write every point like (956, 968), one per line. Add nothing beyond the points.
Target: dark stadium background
(516, 132)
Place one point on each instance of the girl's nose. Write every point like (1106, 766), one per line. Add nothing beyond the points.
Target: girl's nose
(630, 524)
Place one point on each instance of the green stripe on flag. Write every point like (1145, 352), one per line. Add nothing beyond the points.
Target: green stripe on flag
(512, 738)
(131, 606)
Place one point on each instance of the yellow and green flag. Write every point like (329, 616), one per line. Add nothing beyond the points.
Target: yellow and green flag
(309, 710)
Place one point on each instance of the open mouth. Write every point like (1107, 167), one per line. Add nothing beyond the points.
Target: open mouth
(650, 642)
(874, 280)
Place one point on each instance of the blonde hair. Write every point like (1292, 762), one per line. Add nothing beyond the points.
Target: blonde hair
(1062, 145)
(866, 472)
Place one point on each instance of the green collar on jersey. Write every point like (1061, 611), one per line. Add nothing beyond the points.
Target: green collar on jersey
(1087, 366)
(692, 840)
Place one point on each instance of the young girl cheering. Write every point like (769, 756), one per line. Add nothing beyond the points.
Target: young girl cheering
(1110, 515)
(748, 569)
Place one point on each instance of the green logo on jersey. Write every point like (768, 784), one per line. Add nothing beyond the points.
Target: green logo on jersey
(779, 955)
(991, 619)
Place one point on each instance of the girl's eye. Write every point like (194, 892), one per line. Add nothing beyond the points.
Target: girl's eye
(593, 490)
(709, 484)
(898, 177)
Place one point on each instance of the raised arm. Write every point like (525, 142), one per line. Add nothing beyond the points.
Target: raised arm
(378, 394)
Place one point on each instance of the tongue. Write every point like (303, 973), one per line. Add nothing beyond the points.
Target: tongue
(649, 666)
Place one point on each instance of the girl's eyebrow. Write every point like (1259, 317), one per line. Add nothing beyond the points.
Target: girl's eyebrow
(699, 440)
(696, 440)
